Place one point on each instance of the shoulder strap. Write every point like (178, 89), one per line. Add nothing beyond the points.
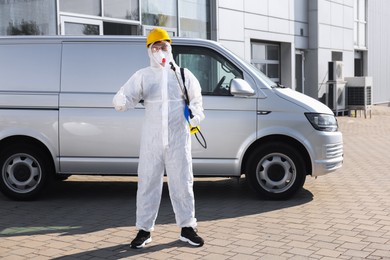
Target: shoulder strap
(184, 85)
(182, 75)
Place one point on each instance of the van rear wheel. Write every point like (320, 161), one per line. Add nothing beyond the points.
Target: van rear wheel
(24, 171)
(276, 170)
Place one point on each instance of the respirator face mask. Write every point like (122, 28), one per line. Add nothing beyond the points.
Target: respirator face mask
(161, 52)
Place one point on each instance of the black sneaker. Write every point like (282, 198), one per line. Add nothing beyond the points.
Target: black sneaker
(141, 239)
(188, 234)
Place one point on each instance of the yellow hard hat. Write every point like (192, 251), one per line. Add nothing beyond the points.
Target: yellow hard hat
(157, 35)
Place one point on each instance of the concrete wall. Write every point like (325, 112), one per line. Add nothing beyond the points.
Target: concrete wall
(378, 43)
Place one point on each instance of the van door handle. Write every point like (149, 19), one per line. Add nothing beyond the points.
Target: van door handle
(263, 112)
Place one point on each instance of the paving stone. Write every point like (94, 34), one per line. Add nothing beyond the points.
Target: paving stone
(342, 215)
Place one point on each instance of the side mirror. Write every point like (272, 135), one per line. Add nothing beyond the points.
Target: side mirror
(241, 88)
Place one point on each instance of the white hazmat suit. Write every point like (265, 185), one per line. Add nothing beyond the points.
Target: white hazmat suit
(165, 141)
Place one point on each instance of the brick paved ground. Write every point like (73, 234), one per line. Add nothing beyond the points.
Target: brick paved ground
(344, 215)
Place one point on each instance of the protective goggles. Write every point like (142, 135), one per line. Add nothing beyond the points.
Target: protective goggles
(157, 46)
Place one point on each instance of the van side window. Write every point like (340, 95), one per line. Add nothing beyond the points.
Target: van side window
(212, 70)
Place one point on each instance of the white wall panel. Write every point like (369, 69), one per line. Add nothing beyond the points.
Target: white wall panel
(231, 25)
(324, 36)
(256, 22)
(256, 6)
(349, 3)
(279, 26)
(348, 17)
(348, 39)
(336, 14)
(378, 42)
(237, 48)
(232, 4)
(279, 8)
(337, 38)
(324, 12)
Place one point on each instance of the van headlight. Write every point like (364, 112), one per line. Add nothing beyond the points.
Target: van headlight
(323, 122)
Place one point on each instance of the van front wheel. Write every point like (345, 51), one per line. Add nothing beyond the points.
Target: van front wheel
(276, 170)
(24, 172)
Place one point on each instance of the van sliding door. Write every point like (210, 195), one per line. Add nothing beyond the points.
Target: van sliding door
(93, 137)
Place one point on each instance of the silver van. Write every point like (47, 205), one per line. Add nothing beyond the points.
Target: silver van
(57, 119)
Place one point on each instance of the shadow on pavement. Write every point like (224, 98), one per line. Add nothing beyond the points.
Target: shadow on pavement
(78, 207)
(123, 251)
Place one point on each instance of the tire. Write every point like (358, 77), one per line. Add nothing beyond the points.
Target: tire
(276, 170)
(24, 171)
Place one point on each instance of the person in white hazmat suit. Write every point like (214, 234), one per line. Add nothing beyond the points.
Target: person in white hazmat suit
(165, 141)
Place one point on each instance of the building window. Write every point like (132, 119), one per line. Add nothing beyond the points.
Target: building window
(191, 18)
(122, 9)
(265, 57)
(97, 17)
(35, 17)
(360, 24)
(186, 18)
(156, 14)
(117, 9)
(195, 18)
(80, 26)
(86, 7)
(119, 29)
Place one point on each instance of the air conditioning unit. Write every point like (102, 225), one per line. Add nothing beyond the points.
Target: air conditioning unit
(359, 93)
(335, 98)
(335, 70)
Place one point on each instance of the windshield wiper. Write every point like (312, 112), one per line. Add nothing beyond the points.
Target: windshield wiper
(278, 85)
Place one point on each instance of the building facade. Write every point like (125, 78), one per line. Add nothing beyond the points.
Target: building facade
(292, 41)
(104, 17)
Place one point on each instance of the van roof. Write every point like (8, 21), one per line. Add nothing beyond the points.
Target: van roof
(97, 38)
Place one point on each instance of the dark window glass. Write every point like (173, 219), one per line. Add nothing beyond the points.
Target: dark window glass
(119, 29)
(272, 52)
(273, 71)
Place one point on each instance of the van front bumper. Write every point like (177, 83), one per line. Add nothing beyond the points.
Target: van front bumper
(333, 156)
